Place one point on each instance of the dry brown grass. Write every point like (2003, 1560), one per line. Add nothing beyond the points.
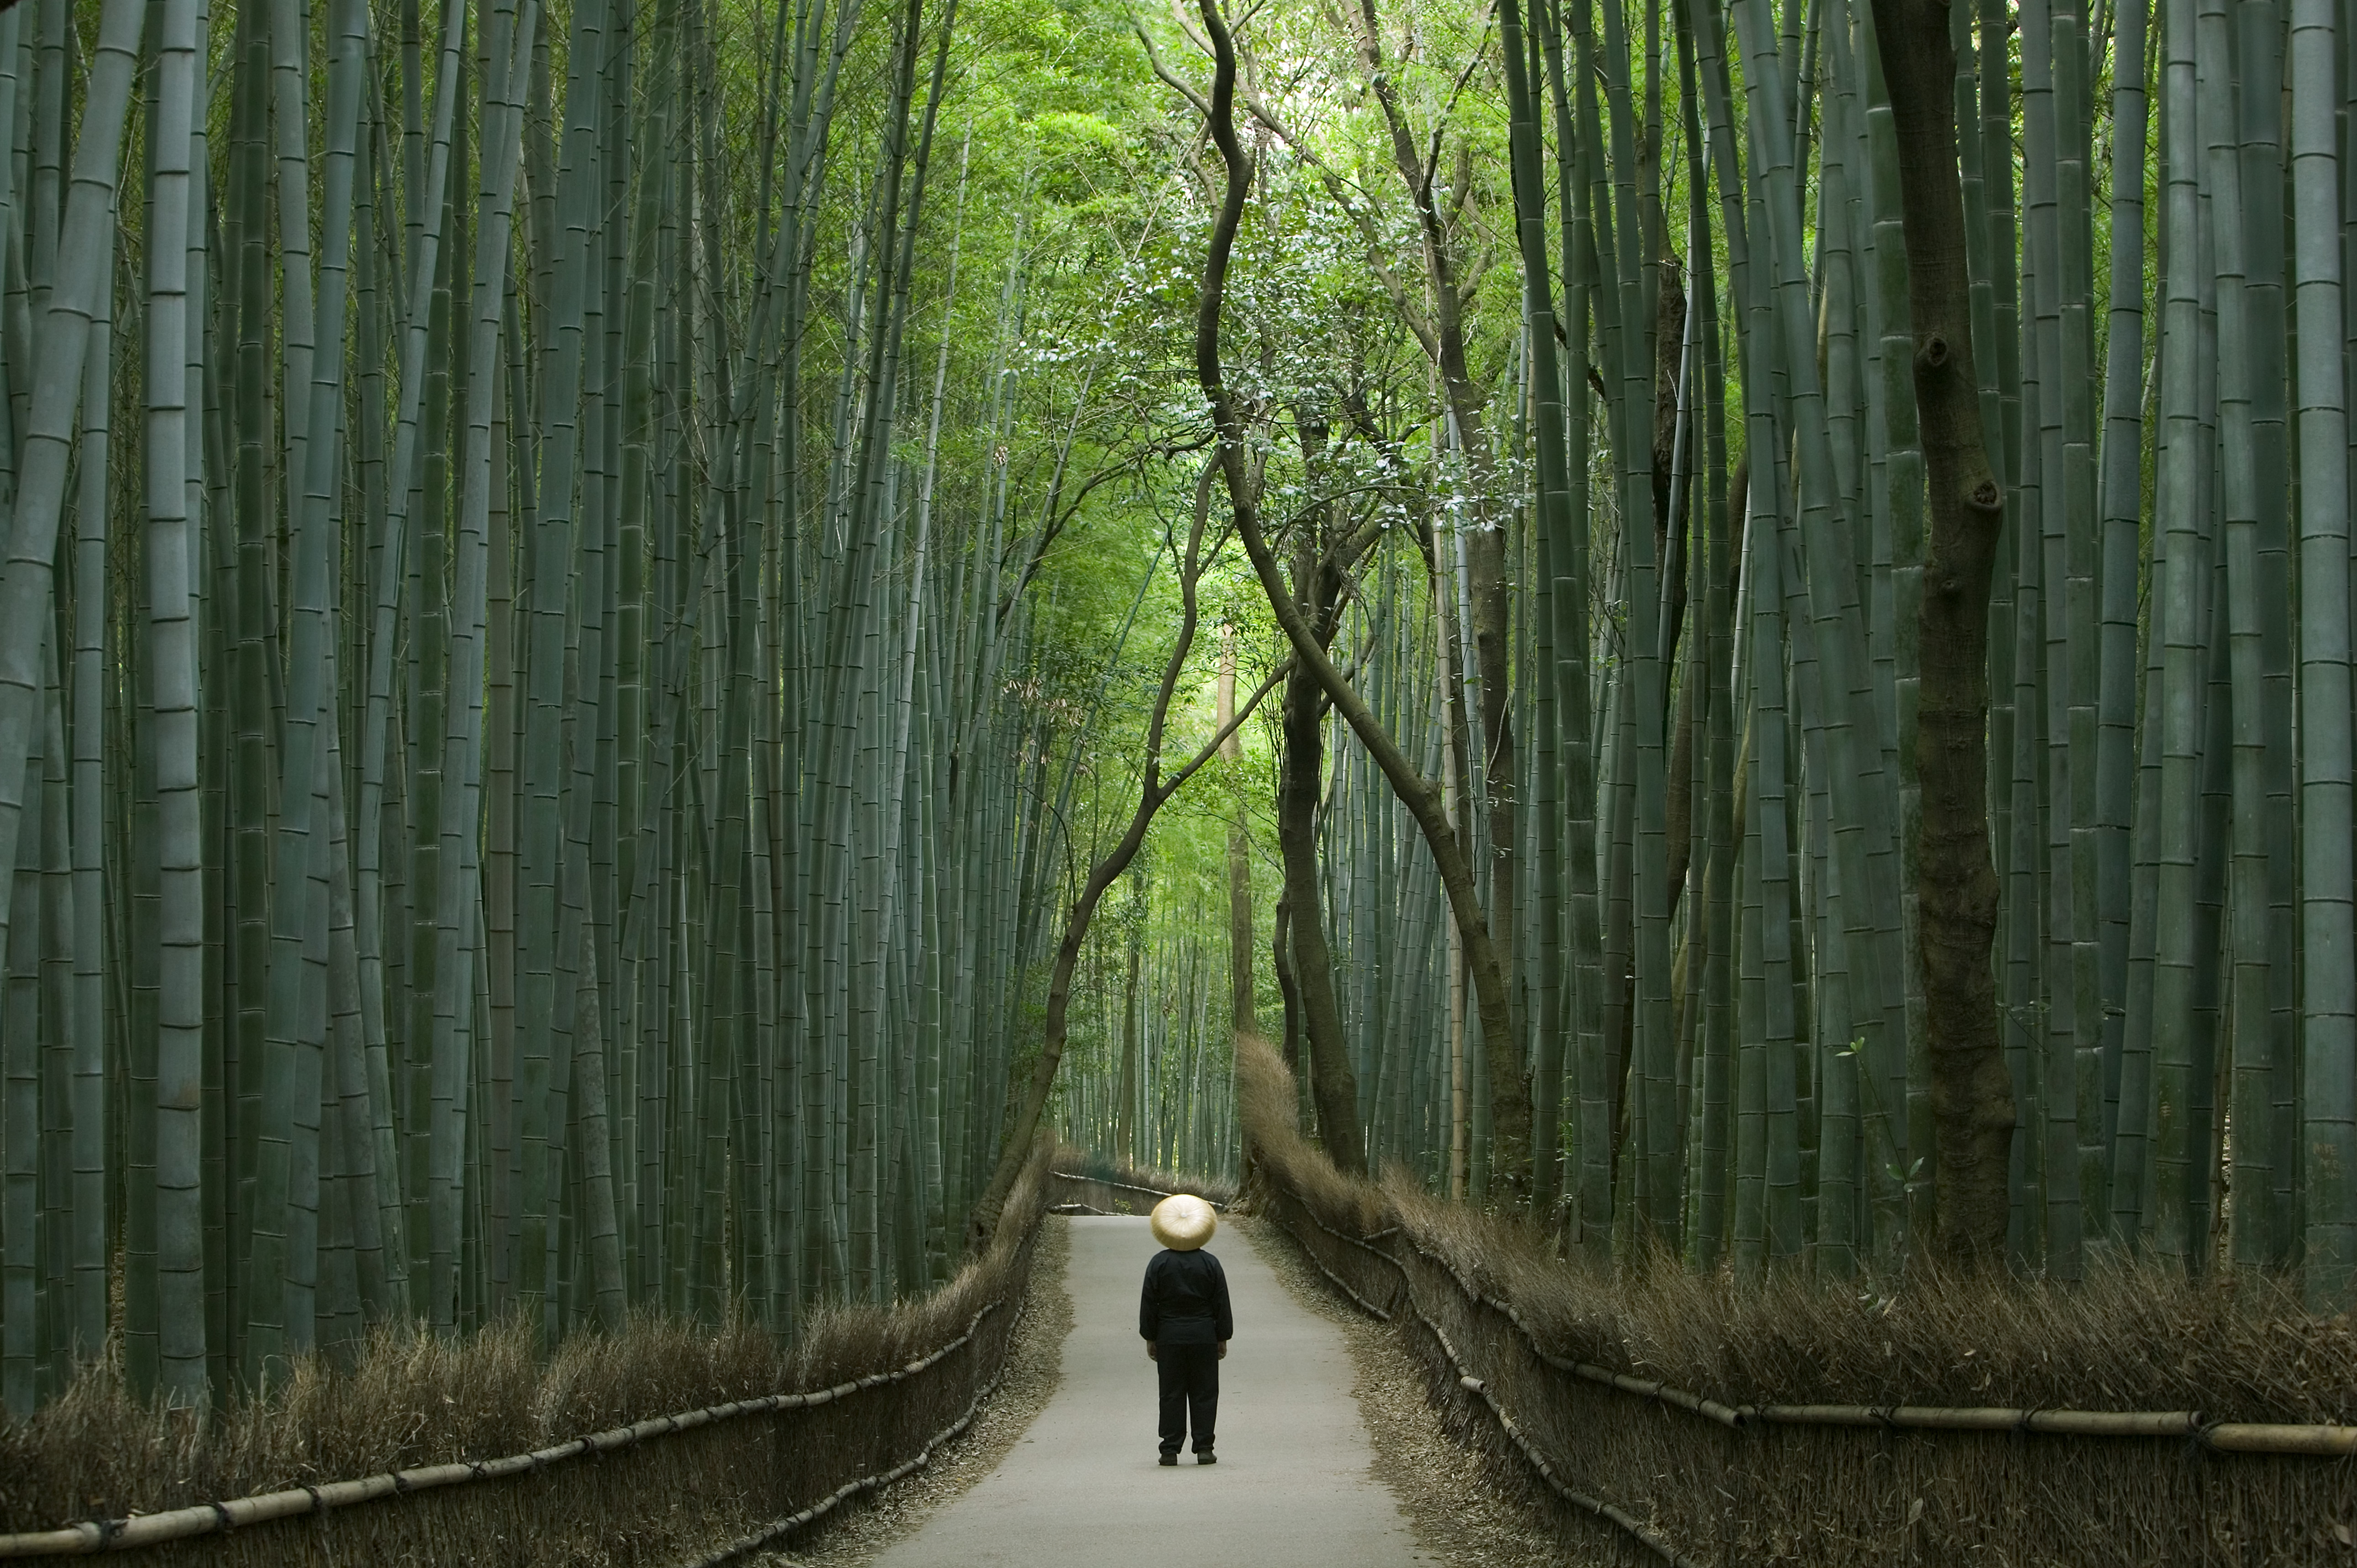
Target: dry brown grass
(1266, 1098)
(410, 1398)
(2131, 1338)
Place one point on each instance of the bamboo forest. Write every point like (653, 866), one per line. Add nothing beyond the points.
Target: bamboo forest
(642, 642)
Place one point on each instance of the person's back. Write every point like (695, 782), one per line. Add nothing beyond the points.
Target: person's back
(1186, 1300)
(1183, 1316)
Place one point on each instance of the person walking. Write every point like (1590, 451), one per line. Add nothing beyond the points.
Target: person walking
(1184, 1319)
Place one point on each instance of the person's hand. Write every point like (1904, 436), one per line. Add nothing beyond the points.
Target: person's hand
(1153, 1351)
(1223, 1349)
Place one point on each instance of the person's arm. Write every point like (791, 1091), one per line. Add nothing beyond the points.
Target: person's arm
(1149, 1316)
(1226, 1319)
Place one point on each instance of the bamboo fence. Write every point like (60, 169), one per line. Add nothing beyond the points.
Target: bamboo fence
(1691, 1477)
(702, 1485)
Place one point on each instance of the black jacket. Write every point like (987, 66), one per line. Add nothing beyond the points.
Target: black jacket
(1185, 1301)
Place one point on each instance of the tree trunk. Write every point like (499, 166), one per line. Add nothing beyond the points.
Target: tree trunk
(1488, 626)
(1154, 791)
(1281, 957)
(1125, 1126)
(1240, 909)
(1972, 1094)
(1511, 1130)
(1333, 1085)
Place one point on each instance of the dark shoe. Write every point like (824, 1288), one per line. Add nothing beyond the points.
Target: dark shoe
(1170, 1459)
(1206, 1457)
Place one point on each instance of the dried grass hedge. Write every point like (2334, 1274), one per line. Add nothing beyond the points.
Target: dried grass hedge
(2130, 1338)
(411, 1398)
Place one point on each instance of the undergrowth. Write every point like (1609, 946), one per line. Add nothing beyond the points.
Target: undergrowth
(2132, 1336)
(410, 1397)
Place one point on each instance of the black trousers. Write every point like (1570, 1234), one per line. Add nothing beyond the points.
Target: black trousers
(1191, 1382)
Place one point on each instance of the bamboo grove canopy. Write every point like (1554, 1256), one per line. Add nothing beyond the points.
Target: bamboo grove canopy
(516, 746)
(1978, 695)
(572, 580)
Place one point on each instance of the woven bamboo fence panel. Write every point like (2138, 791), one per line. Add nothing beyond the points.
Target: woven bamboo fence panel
(666, 1497)
(669, 1498)
(697, 1486)
(1642, 1474)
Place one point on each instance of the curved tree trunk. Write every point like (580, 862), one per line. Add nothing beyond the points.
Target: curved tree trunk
(1333, 1085)
(1154, 791)
(1511, 1131)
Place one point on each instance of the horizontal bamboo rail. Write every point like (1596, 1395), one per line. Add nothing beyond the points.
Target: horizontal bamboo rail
(849, 1490)
(1318, 1264)
(2238, 1437)
(1506, 1421)
(2319, 1440)
(1365, 1244)
(1513, 1431)
(181, 1524)
(1644, 1388)
(2076, 1422)
(2265, 1437)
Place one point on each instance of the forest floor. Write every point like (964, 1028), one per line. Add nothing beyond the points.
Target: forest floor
(1308, 1475)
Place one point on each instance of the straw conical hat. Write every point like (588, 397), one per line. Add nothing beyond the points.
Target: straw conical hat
(1183, 1223)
